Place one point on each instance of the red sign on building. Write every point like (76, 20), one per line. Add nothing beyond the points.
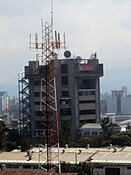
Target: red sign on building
(86, 67)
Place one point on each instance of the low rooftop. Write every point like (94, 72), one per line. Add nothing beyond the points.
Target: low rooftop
(70, 155)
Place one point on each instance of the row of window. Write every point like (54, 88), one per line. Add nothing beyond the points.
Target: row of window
(85, 93)
(64, 81)
(63, 111)
(87, 112)
(68, 101)
(93, 133)
(67, 111)
(65, 101)
(86, 101)
(86, 83)
(37, 94)
(22, 166)
(64, 93)
(39, 83)
(43, 113)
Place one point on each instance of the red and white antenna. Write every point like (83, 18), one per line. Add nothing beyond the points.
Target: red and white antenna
(48, 100)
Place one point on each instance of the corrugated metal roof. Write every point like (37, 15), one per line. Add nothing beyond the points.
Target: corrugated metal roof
(72, 155)
(91, 126)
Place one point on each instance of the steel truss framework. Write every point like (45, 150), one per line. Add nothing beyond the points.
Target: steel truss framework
(24, 107)
(48, 103)
(48, 100)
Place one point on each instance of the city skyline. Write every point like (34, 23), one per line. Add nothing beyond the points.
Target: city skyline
(91, 26)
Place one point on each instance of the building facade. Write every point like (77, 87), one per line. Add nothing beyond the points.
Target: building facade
(77, 89)
(4, 101)
(78, 92)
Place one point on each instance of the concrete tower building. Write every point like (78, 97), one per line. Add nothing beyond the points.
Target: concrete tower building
(78, 92)
(77, 89)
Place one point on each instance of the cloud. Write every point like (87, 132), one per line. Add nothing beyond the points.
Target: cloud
(90, 25)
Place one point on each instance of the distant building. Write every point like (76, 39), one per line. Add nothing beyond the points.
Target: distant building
(124, 88)
(119, 102)
(4, 101)
(126, 105)
(90, 129)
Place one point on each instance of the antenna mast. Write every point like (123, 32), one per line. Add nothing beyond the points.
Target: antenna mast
(48, 101)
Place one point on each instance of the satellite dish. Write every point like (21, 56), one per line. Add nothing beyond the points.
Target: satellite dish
(78, 58)
(67, 53)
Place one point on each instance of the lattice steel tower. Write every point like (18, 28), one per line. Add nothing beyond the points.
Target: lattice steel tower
(48, 103)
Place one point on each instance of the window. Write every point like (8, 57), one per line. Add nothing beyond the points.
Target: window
(35, 167)
(65, 101)
(86, 101)
(87, 133)
(99, 167)
(112, 171)
(26, 167)
(37, 83)
(64, 80)
(39, 113)
(64, 93)
(89, 92)
(15, 166)
(85, 81)
(64, 68)
(80, 93)
(86, 93)
(87, 112)
(94, 133)
(37, 102)
(8, 166)
(65, 111)
(37, 94)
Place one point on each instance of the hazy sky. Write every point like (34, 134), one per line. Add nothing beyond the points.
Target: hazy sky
(102, 26)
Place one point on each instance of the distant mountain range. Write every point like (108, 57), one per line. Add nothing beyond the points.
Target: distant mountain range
(113, 79)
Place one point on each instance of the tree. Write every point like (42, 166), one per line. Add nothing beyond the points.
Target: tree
(120, 139)
(65, 132)
(3, 134)
(9, 138)
(128, 128)
(106, 126)
(83, 168)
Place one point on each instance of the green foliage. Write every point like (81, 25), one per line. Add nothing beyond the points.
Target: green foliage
(9, 138)
(65, 132)
(114, 138)
(121, 139)
(83, 168)
(128, 128)
(106, 126)
(84, 141)
(8, 146)
(97, 141)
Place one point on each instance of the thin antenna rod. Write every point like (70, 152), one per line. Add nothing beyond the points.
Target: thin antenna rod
(52, 13)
